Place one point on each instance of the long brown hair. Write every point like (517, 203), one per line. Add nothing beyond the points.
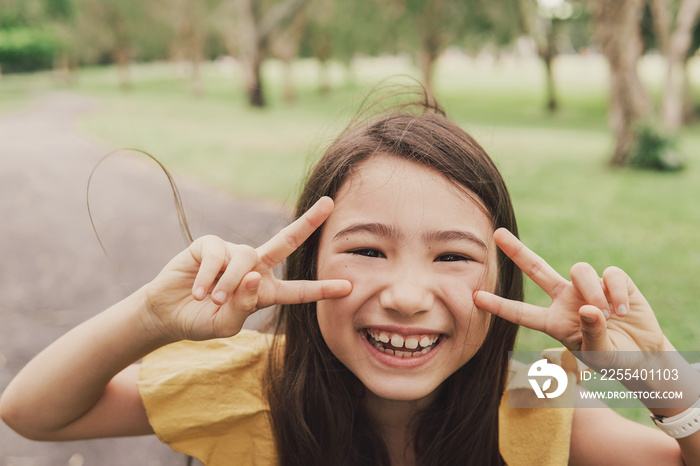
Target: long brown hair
(315, 401)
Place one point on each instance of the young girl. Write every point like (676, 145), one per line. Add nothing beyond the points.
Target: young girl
(401, 300)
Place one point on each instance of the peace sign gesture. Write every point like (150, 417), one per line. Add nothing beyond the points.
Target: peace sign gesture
(209, 289)
(588, 313)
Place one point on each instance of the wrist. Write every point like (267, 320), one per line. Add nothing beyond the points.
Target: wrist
(150, 329)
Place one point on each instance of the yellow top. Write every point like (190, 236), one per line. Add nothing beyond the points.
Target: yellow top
(206, 399)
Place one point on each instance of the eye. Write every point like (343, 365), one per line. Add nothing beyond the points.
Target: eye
(367, 252)
(452, 258)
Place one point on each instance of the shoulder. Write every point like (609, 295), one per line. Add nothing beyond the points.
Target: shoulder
(207, 399)
(239, 348)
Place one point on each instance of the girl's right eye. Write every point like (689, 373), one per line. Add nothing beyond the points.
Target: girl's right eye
(367, 252)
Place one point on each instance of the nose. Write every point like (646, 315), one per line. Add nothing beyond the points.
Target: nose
(407, 292)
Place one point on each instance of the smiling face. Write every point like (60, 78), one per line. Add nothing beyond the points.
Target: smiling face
(415, 248)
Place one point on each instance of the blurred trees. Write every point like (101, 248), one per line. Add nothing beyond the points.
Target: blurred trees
(65, 33)
(618, 32)
(545, 21)
(675, 39)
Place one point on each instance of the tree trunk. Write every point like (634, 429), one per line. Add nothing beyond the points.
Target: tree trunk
(426, 62)
(680, 40)
(61, 69)
(551, 89)
(542, 31)
(324, 81)
(290, 93)
(254, 88)
(618, 35)
(253, 39)
(550, 53)
(123, 59)
(196, 45)
(688, 104)
(285, 46)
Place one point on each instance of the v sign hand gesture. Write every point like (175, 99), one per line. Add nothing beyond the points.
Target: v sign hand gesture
(209, 289)
(588, 313)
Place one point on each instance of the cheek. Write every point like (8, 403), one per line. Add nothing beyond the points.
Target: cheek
(472, 323)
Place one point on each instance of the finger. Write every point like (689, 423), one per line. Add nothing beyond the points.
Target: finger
(617, 285)
(594, 331)
(307, 291)
(586, 281)
(520, 313)
(242, 303)
(241, 260)
(530, 263)
(210, 253)
(292, 236)
(245, 298)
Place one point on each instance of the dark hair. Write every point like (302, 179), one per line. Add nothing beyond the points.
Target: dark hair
(316, 413)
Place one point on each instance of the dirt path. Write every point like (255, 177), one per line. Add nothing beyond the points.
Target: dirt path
(53, 274)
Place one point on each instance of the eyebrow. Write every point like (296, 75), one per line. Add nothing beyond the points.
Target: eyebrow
(391, 232)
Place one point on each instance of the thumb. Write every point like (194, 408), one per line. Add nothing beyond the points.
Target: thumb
(594, 329)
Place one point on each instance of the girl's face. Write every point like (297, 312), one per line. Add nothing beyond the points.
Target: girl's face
(415, 249)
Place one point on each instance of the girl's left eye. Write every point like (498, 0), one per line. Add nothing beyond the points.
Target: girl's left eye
(451, 258)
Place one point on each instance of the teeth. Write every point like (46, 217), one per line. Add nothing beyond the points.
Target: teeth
(397, 340)
(422, 344)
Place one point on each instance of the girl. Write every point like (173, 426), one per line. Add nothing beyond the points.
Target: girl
(392, 338)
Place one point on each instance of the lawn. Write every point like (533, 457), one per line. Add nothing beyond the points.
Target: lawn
(571, 206)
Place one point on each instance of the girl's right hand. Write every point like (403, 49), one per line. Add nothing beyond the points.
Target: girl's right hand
(209, 289)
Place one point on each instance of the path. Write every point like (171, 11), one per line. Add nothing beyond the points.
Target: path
(53, 275)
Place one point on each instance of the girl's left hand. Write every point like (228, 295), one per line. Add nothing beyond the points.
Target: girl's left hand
(588, 313)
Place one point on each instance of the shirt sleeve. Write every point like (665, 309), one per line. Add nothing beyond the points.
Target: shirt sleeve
(205, 399)
(540, 433)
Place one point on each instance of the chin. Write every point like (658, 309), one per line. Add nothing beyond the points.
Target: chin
(404, 391)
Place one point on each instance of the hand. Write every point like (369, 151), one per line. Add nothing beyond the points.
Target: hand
(209, 289)
(588, 313)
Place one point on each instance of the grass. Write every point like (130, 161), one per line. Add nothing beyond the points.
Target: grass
(571, 206)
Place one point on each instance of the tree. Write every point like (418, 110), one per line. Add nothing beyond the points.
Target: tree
(675, 40)
(285, 45)
(617, 32)
(188, 23)
(437, 23)
(542, 21)
(114, 27)
(248, 36)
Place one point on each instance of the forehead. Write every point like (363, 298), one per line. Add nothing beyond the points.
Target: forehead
(400, 189)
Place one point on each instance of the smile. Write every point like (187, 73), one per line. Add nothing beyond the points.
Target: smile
(403, 346)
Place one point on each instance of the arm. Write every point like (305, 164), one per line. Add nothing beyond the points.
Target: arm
(82, 386)
(70, 391)
(595, 429)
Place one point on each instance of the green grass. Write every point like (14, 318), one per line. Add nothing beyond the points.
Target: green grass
(571, 206)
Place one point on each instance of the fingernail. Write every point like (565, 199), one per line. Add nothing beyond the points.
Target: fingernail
(219, 296)
(199, 292)
(252, 285)
(606, 313)
(588, 318)
(622, 310)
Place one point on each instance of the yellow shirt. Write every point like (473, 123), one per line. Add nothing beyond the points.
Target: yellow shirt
(206, 399)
